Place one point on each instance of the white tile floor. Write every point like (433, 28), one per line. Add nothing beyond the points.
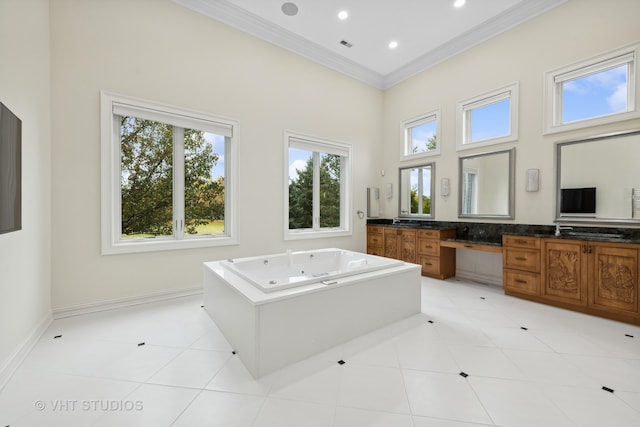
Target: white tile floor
(408, 374)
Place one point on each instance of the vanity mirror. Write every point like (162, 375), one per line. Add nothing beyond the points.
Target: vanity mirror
(486, 185)
(417, 185)
(598, 179)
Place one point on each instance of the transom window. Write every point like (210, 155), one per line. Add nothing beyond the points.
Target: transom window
(490, 118)
(421, 136)
(317, 193)
(593, 92)
(166, 177)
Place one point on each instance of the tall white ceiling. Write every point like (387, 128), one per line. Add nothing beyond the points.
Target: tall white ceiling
(427, 31)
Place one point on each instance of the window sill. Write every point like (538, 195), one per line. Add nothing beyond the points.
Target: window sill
(305, 234)
(159, 244)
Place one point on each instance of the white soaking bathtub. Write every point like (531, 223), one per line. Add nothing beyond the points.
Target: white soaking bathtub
(291, 269)
(305, 313)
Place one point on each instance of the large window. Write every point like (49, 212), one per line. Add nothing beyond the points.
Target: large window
(317, 193)
(420, 136)
(593, 92)
(490, 118)
(166, 176)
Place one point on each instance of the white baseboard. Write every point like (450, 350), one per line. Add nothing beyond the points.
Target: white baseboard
(76, 310)
(14, 361)
(487, 279)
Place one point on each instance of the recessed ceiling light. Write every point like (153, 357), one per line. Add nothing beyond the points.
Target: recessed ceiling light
(289, 9)
(459, 3)
(393, 44)
(343, 14)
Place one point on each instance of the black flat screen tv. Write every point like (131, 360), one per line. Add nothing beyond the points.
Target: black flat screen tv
(10, 171)
(580, 201)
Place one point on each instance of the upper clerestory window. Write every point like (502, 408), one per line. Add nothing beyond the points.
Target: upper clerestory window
(487, 119)
(421, 136)
(597, 91)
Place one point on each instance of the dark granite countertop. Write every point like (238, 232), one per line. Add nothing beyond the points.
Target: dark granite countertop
(491, 233)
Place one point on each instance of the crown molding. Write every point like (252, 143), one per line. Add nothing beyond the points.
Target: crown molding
(247, 22)
(242, 20)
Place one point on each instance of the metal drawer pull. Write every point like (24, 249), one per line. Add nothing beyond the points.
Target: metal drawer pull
(428, 263)
(521, 258)
(522, 242)
(521, 281)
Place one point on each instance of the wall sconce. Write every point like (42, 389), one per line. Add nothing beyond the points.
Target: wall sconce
(533, 178)
(444, 187)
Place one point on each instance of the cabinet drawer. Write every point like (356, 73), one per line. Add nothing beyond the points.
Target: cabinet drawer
(430, 265)
(522, 281)
(428, 247)
(521, 259)
(521, 241)
(374, 240)
(428, 234)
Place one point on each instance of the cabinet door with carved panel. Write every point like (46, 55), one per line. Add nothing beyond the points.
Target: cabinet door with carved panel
(391, 242)
(565, 271)
(614, 278)
(409, 245)
(400, 244)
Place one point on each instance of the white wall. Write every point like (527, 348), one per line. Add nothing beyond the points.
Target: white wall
(25, 268)
(157, 50)
(577, 30)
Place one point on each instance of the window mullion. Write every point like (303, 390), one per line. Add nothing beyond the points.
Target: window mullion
(178, 182)
(116, 168)
(316, 191)
(420, 191)
(343, 192)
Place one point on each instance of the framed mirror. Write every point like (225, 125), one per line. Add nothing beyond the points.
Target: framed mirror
(598, 179)
(416, 190)
(486, 185)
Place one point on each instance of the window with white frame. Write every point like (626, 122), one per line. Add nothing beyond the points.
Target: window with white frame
(168, 176)
(490, 118)
(421, 136)
(317, 201)
(593, 92)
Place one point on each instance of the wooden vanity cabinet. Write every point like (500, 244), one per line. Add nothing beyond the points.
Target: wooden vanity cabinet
(601, 276)
(436, 261)
(415, 245)
(521, 265)
(595, 277)
(399, 243)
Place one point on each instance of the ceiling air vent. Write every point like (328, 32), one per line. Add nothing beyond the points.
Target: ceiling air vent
(345, 43)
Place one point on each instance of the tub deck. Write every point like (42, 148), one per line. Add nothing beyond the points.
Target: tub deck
(272, 330)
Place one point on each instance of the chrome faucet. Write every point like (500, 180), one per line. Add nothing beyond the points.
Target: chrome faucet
(560, 228)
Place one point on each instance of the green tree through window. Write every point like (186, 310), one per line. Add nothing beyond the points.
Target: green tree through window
(301, 193)
(147, 179)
